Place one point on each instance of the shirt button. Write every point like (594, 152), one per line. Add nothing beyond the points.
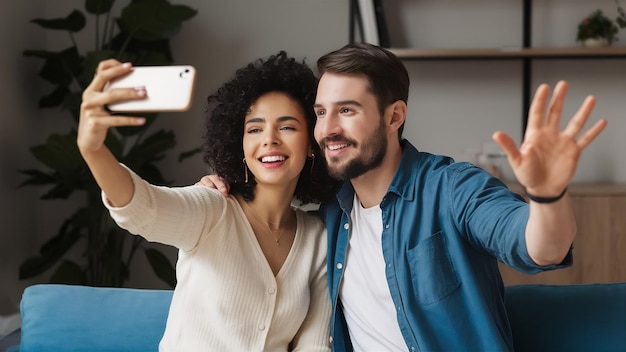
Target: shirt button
(339, 266)
(346, 226)
(271, 290)
(261, 327)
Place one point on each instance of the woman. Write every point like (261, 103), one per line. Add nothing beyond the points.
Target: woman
(251, 268)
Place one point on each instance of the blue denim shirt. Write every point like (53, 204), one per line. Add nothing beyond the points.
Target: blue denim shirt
(445, 226)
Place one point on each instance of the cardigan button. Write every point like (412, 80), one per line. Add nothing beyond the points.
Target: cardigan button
(330, 339)
(339, 266)
(346, 226)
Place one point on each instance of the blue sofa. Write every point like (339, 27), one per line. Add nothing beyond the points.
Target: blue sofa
(79, 318)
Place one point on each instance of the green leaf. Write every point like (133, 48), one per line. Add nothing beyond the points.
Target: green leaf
(115, 145)
(59, 153)
(59, 191)
(153, 147)
(32, 267)
(71, 103)
(152, 20)
(141, 52)
(63, 67)
(58, 245)
(51, 252)
(98, 7)
(129, 131)
(42, 54)
(92, 59)
(54, 98)
(151, 173)
(188, 154)
(37, 178)
(161, 266)
(74, 22)
(69, 273)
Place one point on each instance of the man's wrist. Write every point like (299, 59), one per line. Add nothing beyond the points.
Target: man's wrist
(545, 200)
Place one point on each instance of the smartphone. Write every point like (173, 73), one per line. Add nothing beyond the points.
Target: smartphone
(169, 88)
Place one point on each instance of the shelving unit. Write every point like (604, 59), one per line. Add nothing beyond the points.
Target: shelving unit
(526, 54)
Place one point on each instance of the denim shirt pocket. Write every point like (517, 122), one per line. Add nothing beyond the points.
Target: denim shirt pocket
(432, 272)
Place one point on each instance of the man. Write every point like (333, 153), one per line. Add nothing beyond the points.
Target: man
(414, 238)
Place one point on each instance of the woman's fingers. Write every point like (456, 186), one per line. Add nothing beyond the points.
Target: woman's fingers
(106, 71)
(100, 99)
(96, 97)
(118, 121)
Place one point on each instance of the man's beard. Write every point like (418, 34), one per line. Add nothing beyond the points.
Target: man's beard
(371, 155)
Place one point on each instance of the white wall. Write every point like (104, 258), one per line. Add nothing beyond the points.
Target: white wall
(454, 106)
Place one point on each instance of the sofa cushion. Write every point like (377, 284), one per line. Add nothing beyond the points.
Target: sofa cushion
(568, 317)
(82, 318)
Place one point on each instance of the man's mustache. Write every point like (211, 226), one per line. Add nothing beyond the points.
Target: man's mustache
(337, 138)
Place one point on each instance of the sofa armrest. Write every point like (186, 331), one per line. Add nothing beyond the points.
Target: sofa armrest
(567, 317)
(83, 318)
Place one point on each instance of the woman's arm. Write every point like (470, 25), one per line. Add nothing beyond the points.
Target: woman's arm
(94, 124)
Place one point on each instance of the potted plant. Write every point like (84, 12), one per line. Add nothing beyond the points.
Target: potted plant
(596, 30)
(621, 15)
(141, 35)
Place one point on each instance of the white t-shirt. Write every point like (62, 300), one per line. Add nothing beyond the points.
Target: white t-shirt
(367, 304)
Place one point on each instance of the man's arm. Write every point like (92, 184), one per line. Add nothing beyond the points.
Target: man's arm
(545, 164)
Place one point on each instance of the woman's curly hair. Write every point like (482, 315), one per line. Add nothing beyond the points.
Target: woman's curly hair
(224, 124)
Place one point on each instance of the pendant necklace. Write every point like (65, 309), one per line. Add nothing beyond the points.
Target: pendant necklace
(272, 231)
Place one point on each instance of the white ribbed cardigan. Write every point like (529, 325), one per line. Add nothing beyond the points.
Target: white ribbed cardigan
(227, 298)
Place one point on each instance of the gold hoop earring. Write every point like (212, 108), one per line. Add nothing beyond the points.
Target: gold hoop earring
(245, 167)
(312, 162)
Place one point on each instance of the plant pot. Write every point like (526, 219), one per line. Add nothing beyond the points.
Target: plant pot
(595, 43)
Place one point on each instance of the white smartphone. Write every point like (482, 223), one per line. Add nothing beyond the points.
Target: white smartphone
(169, 88)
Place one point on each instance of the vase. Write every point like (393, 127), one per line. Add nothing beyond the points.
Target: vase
(595, 42)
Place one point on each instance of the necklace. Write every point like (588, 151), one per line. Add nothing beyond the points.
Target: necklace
(271, 230)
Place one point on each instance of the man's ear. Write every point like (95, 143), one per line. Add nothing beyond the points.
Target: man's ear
(397, 111)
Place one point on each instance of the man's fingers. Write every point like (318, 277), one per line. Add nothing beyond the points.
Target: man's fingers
(537, 108)
(215, 182)
(591, 133)
(508, 146)
(555, 109)
(576, 124)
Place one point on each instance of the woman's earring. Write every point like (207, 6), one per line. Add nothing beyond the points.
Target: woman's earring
(245, 167)
(312, 161)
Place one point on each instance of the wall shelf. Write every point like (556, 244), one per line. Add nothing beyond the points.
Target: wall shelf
(508, 53)
(525, 53)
